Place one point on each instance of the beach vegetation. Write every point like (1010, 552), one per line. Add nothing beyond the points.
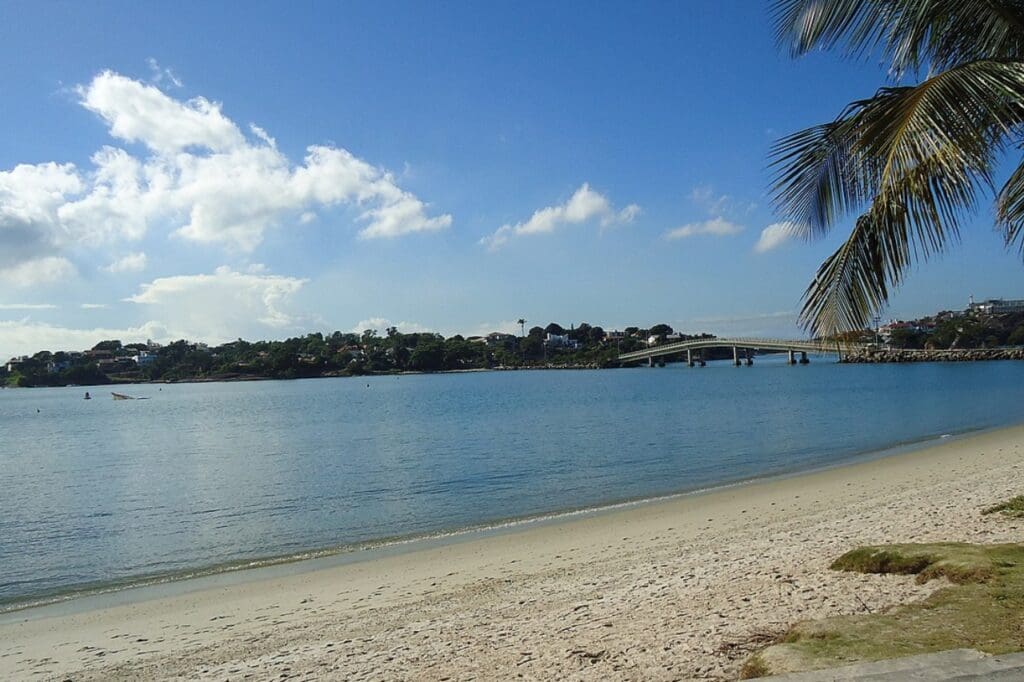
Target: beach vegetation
(979, 608)
(909, 163)
(1013, 507)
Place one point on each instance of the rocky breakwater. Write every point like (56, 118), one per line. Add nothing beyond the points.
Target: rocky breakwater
(955, 355)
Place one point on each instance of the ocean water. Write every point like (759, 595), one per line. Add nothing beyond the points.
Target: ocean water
(202, 477)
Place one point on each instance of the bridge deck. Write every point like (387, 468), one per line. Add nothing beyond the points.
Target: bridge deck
(808, 346)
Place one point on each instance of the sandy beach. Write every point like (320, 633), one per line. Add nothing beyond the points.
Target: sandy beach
(676, 589)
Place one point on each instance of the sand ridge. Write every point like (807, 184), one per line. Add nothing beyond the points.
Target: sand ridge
(678, 589)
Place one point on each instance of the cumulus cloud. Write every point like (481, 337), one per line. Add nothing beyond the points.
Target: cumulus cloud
(585, 204)
(380, 324)
(220, 306)
(194, 173)
(505, 327)
(775, 235)
(717, 227)
(133, 262)
(36, 272)
(30, 234)
(136, 112)
(214, 308)
(22, 337)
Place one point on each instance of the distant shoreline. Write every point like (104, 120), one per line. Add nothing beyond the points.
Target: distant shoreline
(233, 378)
(888, 356)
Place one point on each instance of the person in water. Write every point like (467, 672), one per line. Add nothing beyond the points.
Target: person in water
(87, 396)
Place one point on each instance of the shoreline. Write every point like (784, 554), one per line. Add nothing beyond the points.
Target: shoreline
(659, 590)
(894, 357)
(246, 569)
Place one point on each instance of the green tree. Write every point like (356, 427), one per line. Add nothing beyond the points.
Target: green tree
(1016, 337)
(906, 338)
(111, 345)
(428, 356)
(910, 160)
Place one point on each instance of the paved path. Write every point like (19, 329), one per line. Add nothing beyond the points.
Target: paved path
(962, 665)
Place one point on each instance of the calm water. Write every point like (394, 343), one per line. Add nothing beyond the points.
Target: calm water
(101, 492)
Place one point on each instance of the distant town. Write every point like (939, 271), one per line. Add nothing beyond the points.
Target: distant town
(992, 323)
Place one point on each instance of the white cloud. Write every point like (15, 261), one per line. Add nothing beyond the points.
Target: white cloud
(197, 175)
(30, 236)
(705, 197)
(505, 326)
(719, 227)
(628, 214)
(133, 262)
(93, 306)
(37, 272)
(27, 306)
(585, 204)
(137, 112)
(223, 305)
(22, 337)
(403, 216)
(775, 235)
(380, 324)
(162, 74)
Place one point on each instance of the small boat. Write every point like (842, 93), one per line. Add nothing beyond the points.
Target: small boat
(122, 396)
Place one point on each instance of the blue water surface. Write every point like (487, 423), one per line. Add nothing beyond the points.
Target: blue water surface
(103, 492)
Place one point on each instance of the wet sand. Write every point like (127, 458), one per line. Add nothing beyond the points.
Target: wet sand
(676, 589)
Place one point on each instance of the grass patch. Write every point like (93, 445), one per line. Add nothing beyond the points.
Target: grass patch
(754, 667)
(1013, 507)
(983, 610)
(956, 561)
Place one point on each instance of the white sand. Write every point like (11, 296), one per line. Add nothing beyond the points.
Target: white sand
(677, 589)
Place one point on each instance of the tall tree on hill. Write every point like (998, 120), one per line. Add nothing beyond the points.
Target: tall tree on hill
(910, 161)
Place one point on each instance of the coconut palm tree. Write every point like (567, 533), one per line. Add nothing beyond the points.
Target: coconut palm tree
(522, 326)
(911, 161)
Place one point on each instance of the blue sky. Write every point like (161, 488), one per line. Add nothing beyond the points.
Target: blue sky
(217, 170)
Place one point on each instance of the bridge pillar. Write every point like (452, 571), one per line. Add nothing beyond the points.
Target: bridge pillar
(736, 356)
(689, 358)
(803, 358)
(650, 361)
(700, 358)
(750, 360)
(792, 358)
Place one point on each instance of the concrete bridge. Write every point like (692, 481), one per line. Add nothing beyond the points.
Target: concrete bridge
(693, 349)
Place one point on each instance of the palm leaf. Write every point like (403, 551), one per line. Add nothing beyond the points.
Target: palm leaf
(911, 34)
(912, 220)
(1010, 208)
(908, 160)
(956, 121)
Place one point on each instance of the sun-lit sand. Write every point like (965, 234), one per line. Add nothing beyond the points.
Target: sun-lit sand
(676, 589)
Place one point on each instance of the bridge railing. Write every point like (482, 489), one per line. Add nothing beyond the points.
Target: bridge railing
(811, 345)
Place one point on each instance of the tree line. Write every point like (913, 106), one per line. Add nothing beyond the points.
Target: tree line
(333, 354)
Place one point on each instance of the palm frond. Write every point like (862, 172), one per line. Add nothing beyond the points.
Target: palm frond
(820, 178)
(1010, 209)
(910, 221)
(848, 286)
(910, 33)
(954, 122)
